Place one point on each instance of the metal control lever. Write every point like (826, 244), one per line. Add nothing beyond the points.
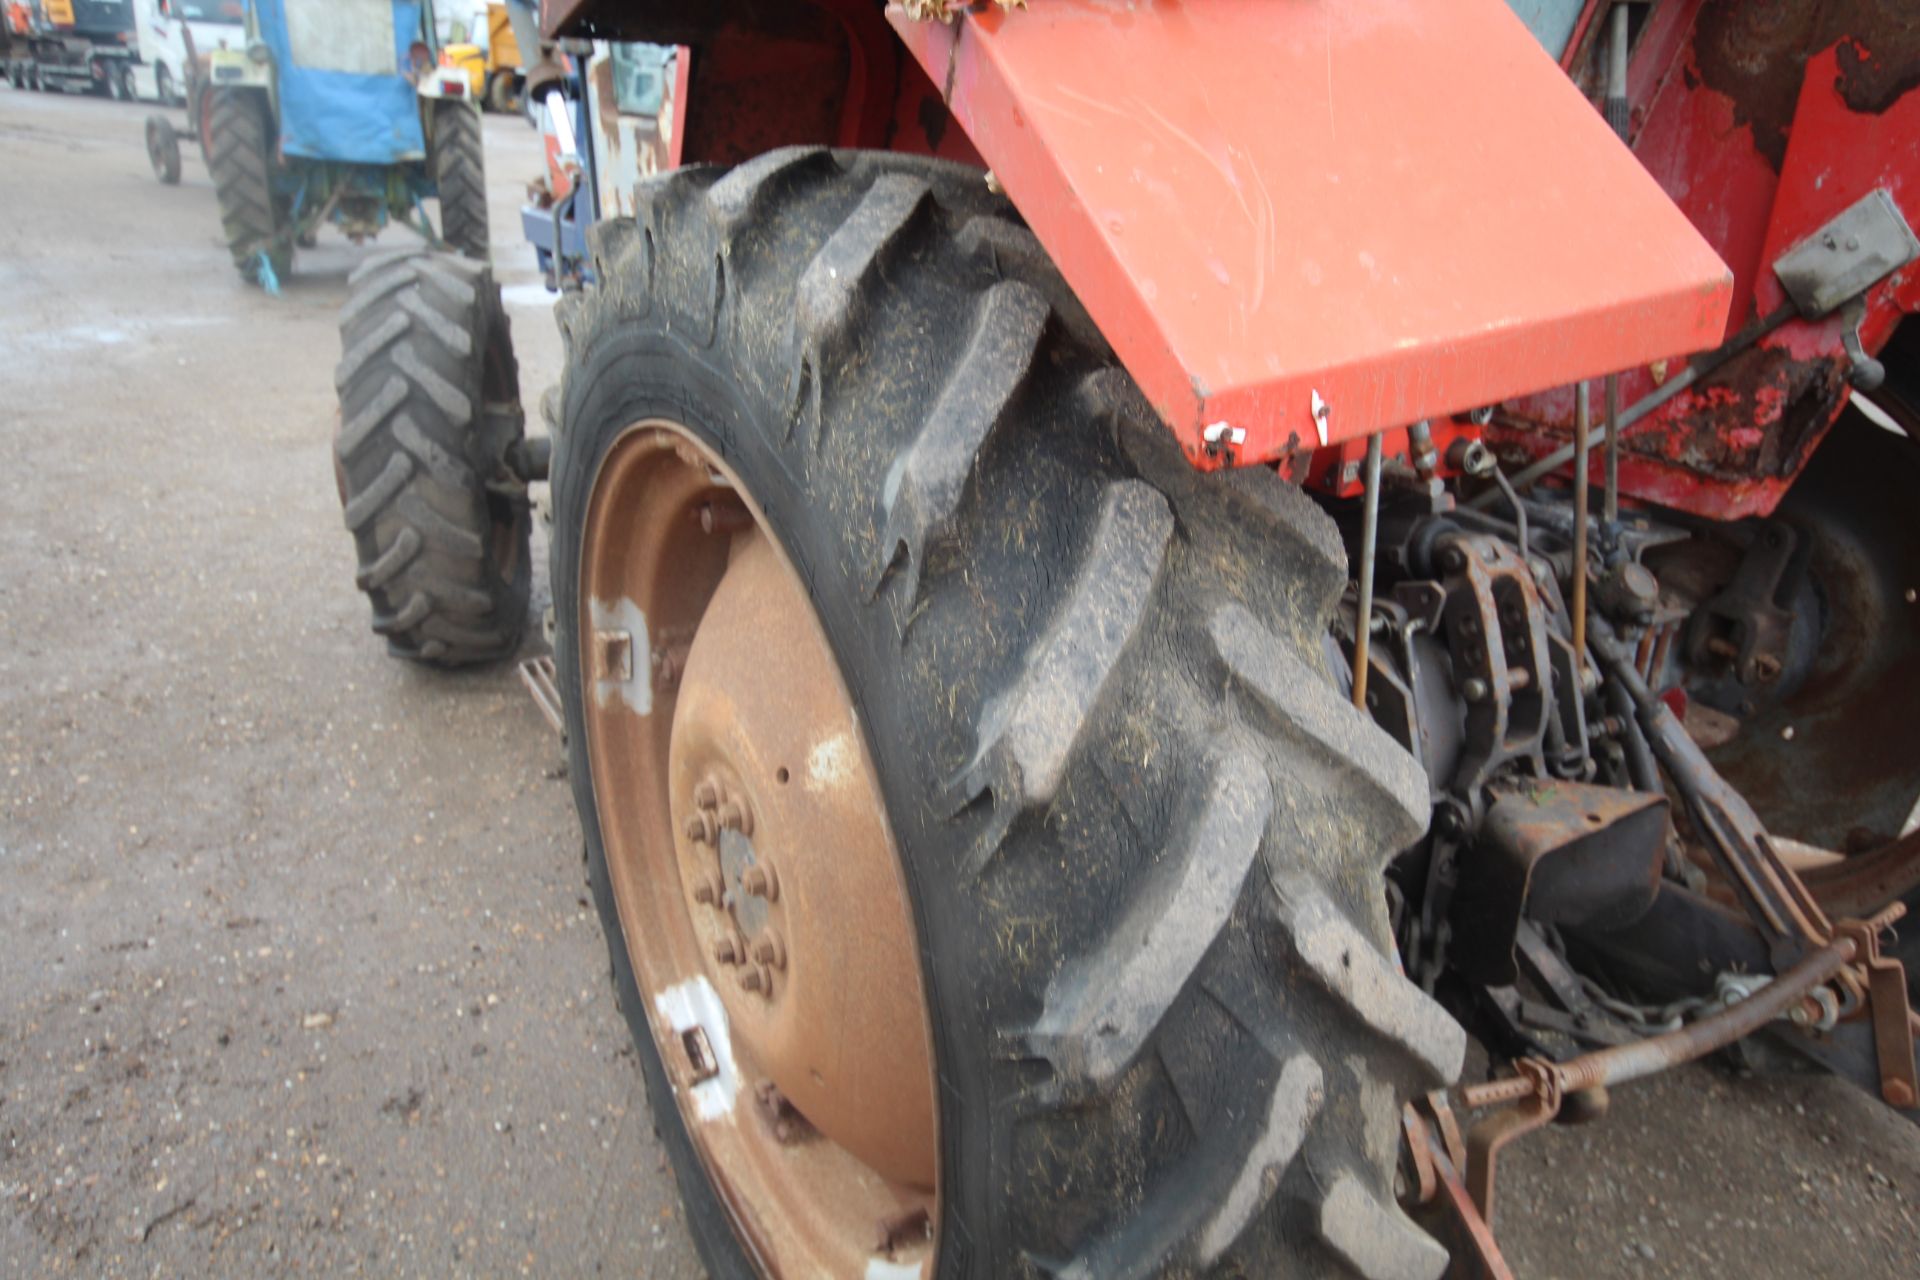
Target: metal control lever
(1867, 373)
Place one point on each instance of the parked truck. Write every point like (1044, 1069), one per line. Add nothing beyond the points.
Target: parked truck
(1125, 576)
(79, 46)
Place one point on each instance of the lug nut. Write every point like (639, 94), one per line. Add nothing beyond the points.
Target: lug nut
(761, 882)
(769, 950)
(706, 795)
(750, 980)
(735, 817)
(724, 952)
(700, 827)
(710, 890)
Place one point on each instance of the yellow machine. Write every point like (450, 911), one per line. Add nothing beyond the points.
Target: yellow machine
(493, 68)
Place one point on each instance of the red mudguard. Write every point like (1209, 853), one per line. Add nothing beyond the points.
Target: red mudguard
(1301, 222)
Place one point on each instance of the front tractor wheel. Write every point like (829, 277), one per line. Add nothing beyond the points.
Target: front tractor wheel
(991, 873)
(430, 427)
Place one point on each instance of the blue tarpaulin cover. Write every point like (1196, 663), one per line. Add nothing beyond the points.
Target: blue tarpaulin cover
(342, 92)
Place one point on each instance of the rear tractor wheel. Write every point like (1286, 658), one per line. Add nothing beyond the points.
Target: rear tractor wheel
(430, 457)
(931, 720)
(239, 157)
(460, 173)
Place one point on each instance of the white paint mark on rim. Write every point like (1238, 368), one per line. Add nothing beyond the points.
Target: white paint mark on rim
(881, 1269)
(637, 689)
(831, 763)
(694, 1003)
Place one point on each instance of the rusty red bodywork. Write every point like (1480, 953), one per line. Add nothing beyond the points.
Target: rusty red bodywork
(1759, 122)
(1762, 121)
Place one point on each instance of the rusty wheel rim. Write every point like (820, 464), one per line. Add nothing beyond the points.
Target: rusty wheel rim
(759, 887)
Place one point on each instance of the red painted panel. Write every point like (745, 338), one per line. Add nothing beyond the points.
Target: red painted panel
(1400, 207)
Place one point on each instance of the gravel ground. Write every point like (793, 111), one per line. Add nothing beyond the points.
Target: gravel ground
(300, 974)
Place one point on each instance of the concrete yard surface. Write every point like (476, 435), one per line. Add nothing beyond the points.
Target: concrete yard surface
(300, 971)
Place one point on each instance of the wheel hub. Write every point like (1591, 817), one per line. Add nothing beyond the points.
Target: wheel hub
(783, 855)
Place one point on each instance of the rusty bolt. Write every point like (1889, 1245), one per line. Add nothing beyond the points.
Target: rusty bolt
(1766, 668)
(709, 889)
(706, 795)
(770, 950)
(1453, 559)
(735, 817)
(612, 655)
(724, 951)
(1898, 1094)
(724, 515)
(760, 881)
(750, 979)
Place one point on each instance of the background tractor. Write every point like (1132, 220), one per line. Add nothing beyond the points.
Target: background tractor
(1118, 588)
(336, 113)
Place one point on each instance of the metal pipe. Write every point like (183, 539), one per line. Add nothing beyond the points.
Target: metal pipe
(1582, 426)
(1641, 1058)
(1369, 539)
(1619, 115)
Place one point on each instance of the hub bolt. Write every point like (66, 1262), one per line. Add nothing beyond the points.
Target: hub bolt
(710, 890)
(735, 817)
(768, 949)
(760, 881)
(750, 980)
(700, 827)
(706, 795)
(724, 952)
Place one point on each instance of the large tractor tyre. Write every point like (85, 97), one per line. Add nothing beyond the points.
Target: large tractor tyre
(239, 158)
(429, 418)
(930, 719)
(460, 172)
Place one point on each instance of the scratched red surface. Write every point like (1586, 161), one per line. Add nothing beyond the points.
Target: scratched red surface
(1401, 207)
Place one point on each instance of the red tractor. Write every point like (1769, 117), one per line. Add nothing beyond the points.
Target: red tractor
(1126, 575)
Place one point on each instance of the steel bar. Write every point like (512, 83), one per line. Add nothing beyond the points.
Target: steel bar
(1641, 1058)
(1619, 115)
(1369, 539)
(1771, 895)
(1582, 428)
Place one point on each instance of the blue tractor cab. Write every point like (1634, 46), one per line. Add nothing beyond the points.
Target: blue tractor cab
(335, 111)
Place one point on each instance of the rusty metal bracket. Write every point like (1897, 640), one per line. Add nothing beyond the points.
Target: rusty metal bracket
(1887, 1005)
(1449, 1211)
(1492, 1134)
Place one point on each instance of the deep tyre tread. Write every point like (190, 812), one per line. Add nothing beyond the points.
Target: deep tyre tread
(429, 406)
(1143, 833)
(239, 160)
(460, 173)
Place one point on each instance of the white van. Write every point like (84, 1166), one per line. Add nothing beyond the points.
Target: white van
(160, 73)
